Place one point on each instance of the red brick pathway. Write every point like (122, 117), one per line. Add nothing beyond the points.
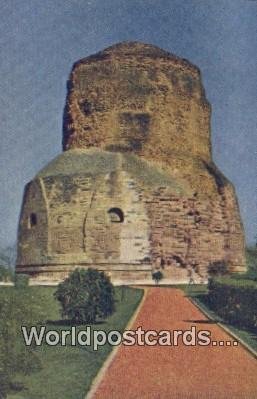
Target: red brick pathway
(183, 372)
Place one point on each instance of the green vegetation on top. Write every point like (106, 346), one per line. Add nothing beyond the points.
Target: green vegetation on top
(96, 162)
(150, 174)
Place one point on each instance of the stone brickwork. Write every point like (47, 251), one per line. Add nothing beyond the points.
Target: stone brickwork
(136, 188)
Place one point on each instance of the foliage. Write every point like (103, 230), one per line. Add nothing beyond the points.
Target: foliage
(86, 295)
(8, 256)
(217, 268)
(157, 276)
(251, 261)
(251, 258)
(18, 306)
(234, 300)
(7, 262)
(6, 274)
(21, 280)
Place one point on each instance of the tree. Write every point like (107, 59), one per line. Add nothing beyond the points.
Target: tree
(6, 274)
(85, 296)
(157, 276)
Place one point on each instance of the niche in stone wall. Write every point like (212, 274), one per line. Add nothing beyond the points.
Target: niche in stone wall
(116, 215)
(32, 221)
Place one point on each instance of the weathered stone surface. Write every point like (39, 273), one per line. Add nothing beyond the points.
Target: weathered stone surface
(136, 187)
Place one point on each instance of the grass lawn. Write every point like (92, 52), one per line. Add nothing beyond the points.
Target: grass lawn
(249, 337)
(198, 293)
(67, 371)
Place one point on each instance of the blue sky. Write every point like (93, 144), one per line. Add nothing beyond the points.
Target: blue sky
(40, 40)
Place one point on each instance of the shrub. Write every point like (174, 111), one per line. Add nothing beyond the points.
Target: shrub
(251, 261)
(21, 280)
(234, 300)
(157, 276)
(251, 257)
(218, 268)
(6, 274)
(86, 295)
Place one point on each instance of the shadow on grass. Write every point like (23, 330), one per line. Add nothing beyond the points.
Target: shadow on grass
(70, 323)
(201, 321)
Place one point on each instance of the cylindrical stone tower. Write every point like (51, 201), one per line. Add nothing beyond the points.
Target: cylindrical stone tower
(136, 187)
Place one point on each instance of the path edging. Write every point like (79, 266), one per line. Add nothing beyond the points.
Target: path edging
(98, 378)
(225, 328)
